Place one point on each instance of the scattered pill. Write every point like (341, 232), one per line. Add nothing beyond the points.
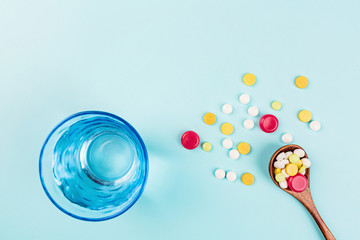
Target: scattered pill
(277, 170)
(293, 158)
(206, 146)
(190, 140)
(305, 116)
(247, 178)
(306, 162)
(284, 172)
(286, 138)
(227, 143)
(302, 169)
(280, 177)
(253, 111)
(299, 152)
(291, 169)
(234, 154)
(279, 164)
(249, 124)
(219, 173)
(231, 176)
(301, 82)
(298, 183)
(244, 98)
(283, 184)
(227, 128)
(227, 108)
(276, 105)
(244, 148)
(315, 125)
(209, 118)
(249, 79)
(268, 123)
(281, 156)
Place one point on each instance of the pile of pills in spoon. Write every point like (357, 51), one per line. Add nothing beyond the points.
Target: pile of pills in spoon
(290, 168)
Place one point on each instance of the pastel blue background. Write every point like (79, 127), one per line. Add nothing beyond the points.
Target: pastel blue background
(161, 65)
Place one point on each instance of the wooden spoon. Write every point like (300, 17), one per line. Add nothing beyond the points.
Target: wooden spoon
(305, 196)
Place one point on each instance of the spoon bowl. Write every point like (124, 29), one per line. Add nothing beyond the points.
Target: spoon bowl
(304, 197)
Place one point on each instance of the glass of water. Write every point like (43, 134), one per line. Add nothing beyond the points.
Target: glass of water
(93, 166)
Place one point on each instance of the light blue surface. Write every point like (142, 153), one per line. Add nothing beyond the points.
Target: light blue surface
(161, 65)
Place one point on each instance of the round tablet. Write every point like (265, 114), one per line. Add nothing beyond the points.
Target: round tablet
(227, 128)
(277, 170)
(190, 140)
(249, 124)
(231, 176)
(291, 169)
(302, 169)
(279, 164)
(293, 158)
(286, 138)
(253, 111)
(244, 98)
(209, 118)
(244, 148)
(206, 146)
(227, 108)
(227, 143)
(249, 79)
(301, 82)
(247, 178)
(219, 173)
(283, 184)
(268, 123)
(299, 152)
(315, 125)
(281, 156)
(298, 183)
(276, 105)
(280, 177)
(305, 116)
(234, 154)
(306, 162)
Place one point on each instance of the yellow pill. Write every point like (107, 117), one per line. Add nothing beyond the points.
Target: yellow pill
(249, 79)
(305, 116)
(301, 82)
(247, 178)
(244, 148)
(291, 169)
(299, 163)
(277, 170)
(209, 118)
(276, 105)
(302, 169)
(206, 146)
(227, 128)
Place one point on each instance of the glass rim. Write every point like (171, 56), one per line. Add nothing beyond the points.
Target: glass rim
(142, 145)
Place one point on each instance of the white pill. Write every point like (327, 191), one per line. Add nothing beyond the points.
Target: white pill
(299, 152)
(279, 164)
(286, 138)
(219, 173)
(280, 156)
(285, 161)
(315, 125)
(244, 98)
(253, 111)
(306, 162)
(283, 184)
(284, 172)
(227, 108)
(231, 176)
(234, 154)
(227, 143)
(249, 124)
(288, 154)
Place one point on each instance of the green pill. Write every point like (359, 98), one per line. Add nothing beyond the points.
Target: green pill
(280, 177)
(302, 169)
(293, 158)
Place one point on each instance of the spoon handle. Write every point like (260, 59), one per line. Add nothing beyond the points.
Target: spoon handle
(310, 206)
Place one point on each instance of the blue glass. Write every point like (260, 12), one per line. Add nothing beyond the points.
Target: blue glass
(93, 166)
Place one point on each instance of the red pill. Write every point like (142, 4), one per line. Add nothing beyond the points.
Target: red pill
(190, 140)
(298, 183)
(268, 123)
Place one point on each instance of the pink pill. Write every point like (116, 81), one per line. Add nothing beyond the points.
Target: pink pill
(298, 183)
(268, 123)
